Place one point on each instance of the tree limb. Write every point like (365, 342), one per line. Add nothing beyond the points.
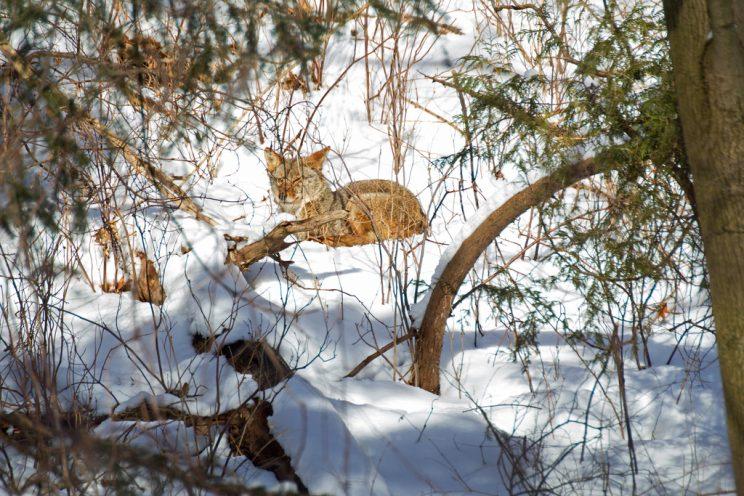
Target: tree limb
(274, 241)
(246, 428)
(431, 330)
(164, 183)
(392, 344)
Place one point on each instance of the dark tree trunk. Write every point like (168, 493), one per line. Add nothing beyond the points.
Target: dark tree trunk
(707, 47)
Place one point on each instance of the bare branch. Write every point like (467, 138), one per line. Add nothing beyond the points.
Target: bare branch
(392, 344)
(246, 427)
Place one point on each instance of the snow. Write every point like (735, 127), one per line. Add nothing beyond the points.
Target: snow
(332, 307)
(325, 454)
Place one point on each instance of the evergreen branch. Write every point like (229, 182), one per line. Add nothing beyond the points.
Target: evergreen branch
(512, 109)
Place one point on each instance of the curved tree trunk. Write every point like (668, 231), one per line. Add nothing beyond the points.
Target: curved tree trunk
(431, 329)
(707, 47)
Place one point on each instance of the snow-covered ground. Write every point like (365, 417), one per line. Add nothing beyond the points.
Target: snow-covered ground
(332, 307)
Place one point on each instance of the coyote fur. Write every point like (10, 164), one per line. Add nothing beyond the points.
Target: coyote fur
(378, 209)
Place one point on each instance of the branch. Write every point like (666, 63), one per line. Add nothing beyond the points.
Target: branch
(246, 429)
(514, 110)
(56, 100)
(392, 344)
(524, 6)
(436, 27)
(274, 241)
(439, 306)
(164, 183)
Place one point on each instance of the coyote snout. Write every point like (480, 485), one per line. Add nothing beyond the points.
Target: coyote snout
(378, 209)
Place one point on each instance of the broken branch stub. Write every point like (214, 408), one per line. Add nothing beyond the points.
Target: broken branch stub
(145, 284)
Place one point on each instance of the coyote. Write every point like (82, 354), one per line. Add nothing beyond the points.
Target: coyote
(378, 209)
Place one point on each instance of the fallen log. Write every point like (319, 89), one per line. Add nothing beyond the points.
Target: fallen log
(247, 429)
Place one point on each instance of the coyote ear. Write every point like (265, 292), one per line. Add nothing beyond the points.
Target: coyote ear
(315, 160)
(273, 159)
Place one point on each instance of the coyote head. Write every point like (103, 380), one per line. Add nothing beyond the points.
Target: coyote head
(298, 180)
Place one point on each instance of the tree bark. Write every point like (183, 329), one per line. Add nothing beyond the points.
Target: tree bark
(428, 348)
(707, 48)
